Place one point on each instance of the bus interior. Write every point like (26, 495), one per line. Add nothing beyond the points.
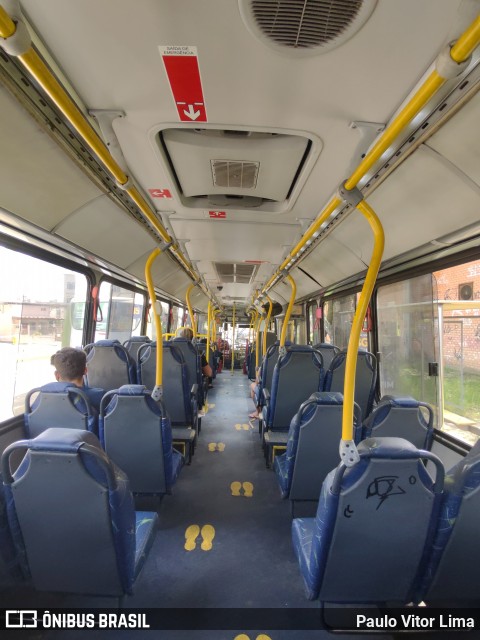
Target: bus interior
(297, 184)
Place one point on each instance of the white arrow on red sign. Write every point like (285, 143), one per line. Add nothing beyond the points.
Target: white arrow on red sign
(181, 65)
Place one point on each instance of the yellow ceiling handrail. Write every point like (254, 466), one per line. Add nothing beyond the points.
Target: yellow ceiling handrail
(157, 391)
(48, 82)
(456, 55)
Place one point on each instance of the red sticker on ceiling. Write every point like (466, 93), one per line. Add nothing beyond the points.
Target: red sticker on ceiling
(160, 193)
(181, 65)
(217, 214)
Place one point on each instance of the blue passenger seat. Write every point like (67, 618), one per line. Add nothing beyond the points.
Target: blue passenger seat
(192, 358)
(179, 399)
(365, 378)
(401, 417)
(312, 446)
(328, 351)
(133, 344)
(451, 578)
(297, 374)
(58, 404)
(109, 365)
(373, 522)
(72, 516)
(136, 434)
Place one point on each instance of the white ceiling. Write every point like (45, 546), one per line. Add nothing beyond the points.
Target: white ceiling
(109, 53)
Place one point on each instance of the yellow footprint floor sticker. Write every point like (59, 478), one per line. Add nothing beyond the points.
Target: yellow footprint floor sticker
(208, 534)
(247, 489)
(235, 488)
(238, 427)
(191, 534)
(243, 636)
(216, 446)
(246, 427)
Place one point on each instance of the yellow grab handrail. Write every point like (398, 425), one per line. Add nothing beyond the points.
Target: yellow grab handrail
(347, 445)
(157, 391)
(232, 350)
(258, 321)
(289, 310)
(189, 307)
(459, 54)
(265, 326)
(209, 320)
(52, 87)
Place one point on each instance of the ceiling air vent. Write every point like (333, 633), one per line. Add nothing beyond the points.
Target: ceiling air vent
(228, 173)
(233, 272)
(305, 26)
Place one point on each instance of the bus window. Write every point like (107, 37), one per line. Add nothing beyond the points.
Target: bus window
(151, 331)
(34, 323)
(338, 318)
(406, 339)
(176, 318)
(120, 313)
(458, 303)
(314, 316)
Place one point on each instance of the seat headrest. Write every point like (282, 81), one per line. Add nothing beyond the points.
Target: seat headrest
(65, 440)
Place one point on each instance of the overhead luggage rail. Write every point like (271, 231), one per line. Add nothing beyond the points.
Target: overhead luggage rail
(16, 42)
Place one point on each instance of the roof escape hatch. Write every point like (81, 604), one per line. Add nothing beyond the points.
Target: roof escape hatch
(236, 169)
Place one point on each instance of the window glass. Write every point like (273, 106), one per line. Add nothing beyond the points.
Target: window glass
(151, 331)
(406, 339)
(314, 317)
(176, 317)
(37, 318)
(119, 315)
(338, 319)
(458, 301)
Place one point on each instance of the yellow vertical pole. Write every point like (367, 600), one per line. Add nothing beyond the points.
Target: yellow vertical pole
(157, 391)
(209, 320)
(233, 338)
(289, 310)
(193, 324)
(347, 446)
(266, 325)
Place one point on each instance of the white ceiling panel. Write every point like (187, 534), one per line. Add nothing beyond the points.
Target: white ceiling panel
(104, 229)
(420, 203)
(37, 181)
(459, 140)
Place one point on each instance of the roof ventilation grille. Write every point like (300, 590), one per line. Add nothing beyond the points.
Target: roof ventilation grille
(229, 173)
(305, 26)
(234, 272)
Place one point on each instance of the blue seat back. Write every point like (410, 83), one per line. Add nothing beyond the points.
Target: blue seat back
(72, 515)
(133, 344)
(192, 358)
(10, 573)
(297, 374)
(180, 405)
(452, 572)
(136, 434)
(312, 447)
(328, 351)
(365, 378)
(58, 404)
(373, 522)
(401, 417)
(108, 365)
